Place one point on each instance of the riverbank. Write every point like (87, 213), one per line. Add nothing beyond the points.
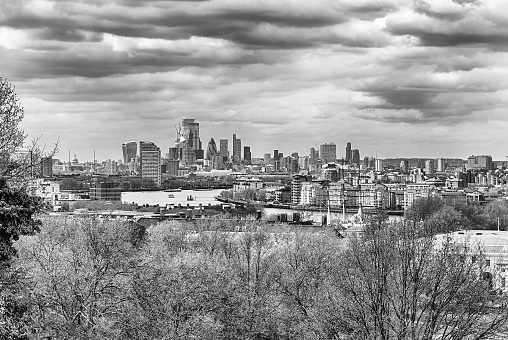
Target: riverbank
(349, 210)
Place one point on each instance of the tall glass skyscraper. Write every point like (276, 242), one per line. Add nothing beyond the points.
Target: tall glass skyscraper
(130, 151)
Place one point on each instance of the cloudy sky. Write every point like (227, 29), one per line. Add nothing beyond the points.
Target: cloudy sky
(425, 78)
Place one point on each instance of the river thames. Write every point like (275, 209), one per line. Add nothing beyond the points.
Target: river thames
(206, 197)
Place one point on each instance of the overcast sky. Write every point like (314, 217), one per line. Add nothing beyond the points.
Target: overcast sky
(425, 78)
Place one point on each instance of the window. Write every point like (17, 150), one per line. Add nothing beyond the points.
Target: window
(503, 282)
(487, 263)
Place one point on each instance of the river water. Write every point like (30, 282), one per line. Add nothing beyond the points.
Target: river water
(207, 197)
(162, 198)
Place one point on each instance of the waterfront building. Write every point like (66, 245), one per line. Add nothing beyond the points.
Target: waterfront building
(313, 194)
(328, 152)
(374, 196)
(130, 151)
(338, 194)
(244, 183)
(414, 191)
(150, 161)
(296, 184)
(105, 192)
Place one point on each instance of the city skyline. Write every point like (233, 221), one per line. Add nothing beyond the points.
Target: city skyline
(399, 78)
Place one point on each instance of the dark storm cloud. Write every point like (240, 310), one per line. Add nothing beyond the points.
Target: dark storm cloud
(240, 25)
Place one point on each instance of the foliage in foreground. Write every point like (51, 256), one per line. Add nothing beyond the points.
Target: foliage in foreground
(95, 279)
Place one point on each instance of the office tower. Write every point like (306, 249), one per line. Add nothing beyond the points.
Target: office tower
(372, 162)
(303, 162)
(46, 167)
(356, 157)
(276, 157)
(276, 154)
(237, 149)
(479, 162)
(266, 158)
(150, 159)
(328, 152)
(404, 166)
(223, 150)
(349, 154)
(174, 153)
(441, 165)
(188, 142)
(172, 166)
(366, 161)
(312, 156)
(247, 156)
(130, 151)
(379, 165)
(429, 167)
(211, 150)
(294, 154)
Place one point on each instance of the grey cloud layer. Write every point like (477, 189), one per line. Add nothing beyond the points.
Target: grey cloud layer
(267, 63)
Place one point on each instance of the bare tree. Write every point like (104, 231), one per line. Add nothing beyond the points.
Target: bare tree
(399, 285)
(16, 165)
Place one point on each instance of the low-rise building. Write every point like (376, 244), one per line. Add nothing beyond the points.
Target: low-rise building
(105, 192)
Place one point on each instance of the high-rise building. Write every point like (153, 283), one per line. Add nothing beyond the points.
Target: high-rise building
(223, 150)
(313, 156)
(266, 158)
(379, 165)
(130, 151)
(275, 154)
(479, 162)
(356, 157)
(366, 161)
(172, 166)
(188, 142)
(211, 149)
(174, 153)
(404, 165)
(247, 156)
(150, 161)
(328, 152)
(441, 165)
(429, 167)
(349, 154)
(237, 149)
